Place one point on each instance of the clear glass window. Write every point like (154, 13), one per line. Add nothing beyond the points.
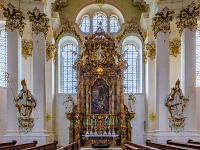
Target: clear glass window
(114, 24)
(3, 58)
(131, 73)
(68, 73)
(99, 21)
(85, 24)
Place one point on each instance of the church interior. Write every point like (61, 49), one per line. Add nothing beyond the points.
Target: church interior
(114, 74)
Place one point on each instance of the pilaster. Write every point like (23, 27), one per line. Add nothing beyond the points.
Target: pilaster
(161, 27)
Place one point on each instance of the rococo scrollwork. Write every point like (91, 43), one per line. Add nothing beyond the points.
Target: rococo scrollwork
(188, 17)
(25, 103)
(131, 27)
(161, 21)
(176, 103)
(50, 51)
(27, 48)
(14, 18)
(151, 50)
(39, 21)
(100, 108)
(174, 47)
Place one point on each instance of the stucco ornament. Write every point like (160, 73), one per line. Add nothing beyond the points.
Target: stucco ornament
(174, 47)
(50, 51)
(176, 103)
(188, 17)
(14, 18)
(151, 50)
(27, 48)
(39, 21)
(161, 21)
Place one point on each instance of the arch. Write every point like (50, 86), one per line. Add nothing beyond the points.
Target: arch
(93, 8)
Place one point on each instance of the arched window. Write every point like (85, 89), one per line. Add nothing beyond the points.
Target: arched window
(99, 21)
(68, 77)
(198, 58)
(3, 57)
(85, 24)
(131, 73)
(114, 24)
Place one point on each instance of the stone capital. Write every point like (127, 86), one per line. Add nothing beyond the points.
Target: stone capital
(14, 18)
(39, 21)
(161, 21)
(188, 17)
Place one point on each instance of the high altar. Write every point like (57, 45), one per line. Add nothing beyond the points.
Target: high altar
(100, 109)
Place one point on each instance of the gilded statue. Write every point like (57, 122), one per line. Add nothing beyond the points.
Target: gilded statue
(176, 102)
(25, 102)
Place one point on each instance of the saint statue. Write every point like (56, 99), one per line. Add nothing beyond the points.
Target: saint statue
(99, 53)
(131, 101)
(25, 101)
(176, 102)
(69, 104)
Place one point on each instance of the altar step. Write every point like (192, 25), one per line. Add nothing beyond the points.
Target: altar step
(110, 148)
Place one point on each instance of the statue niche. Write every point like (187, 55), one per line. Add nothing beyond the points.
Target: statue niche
(100, 109)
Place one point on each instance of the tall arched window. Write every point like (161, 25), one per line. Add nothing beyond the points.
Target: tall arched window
(198, 58)
(85, 24)
(99, 20)
(114, 24)
(69, 81)
(131, 73)
(3, 57)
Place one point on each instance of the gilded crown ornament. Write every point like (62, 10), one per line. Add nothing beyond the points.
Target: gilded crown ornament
(50, 51)
(14, 18)
(151, 50)
(39, 21)
(188, 17)
(161, 21)
(27, 48)
(174, 47)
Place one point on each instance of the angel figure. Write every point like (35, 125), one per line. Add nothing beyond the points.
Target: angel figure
(69, 104)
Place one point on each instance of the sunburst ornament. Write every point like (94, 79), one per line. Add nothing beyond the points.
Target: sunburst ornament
(48, 117)
(152, 116)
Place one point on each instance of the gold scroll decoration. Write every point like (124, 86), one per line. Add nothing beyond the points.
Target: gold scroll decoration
(174, 47)
(39, 21)
(188, 17)
(14, 18)
(161, 21)
(50, 51)
(27, 48)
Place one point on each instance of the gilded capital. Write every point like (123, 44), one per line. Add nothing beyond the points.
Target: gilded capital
(188, 17)
(27, 48)
(50, 51)
(151, 50)
(161, 21)
(174, 47)
(39, 21)
(14, 18)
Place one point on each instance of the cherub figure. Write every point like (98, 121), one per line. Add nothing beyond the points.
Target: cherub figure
(131, 101)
